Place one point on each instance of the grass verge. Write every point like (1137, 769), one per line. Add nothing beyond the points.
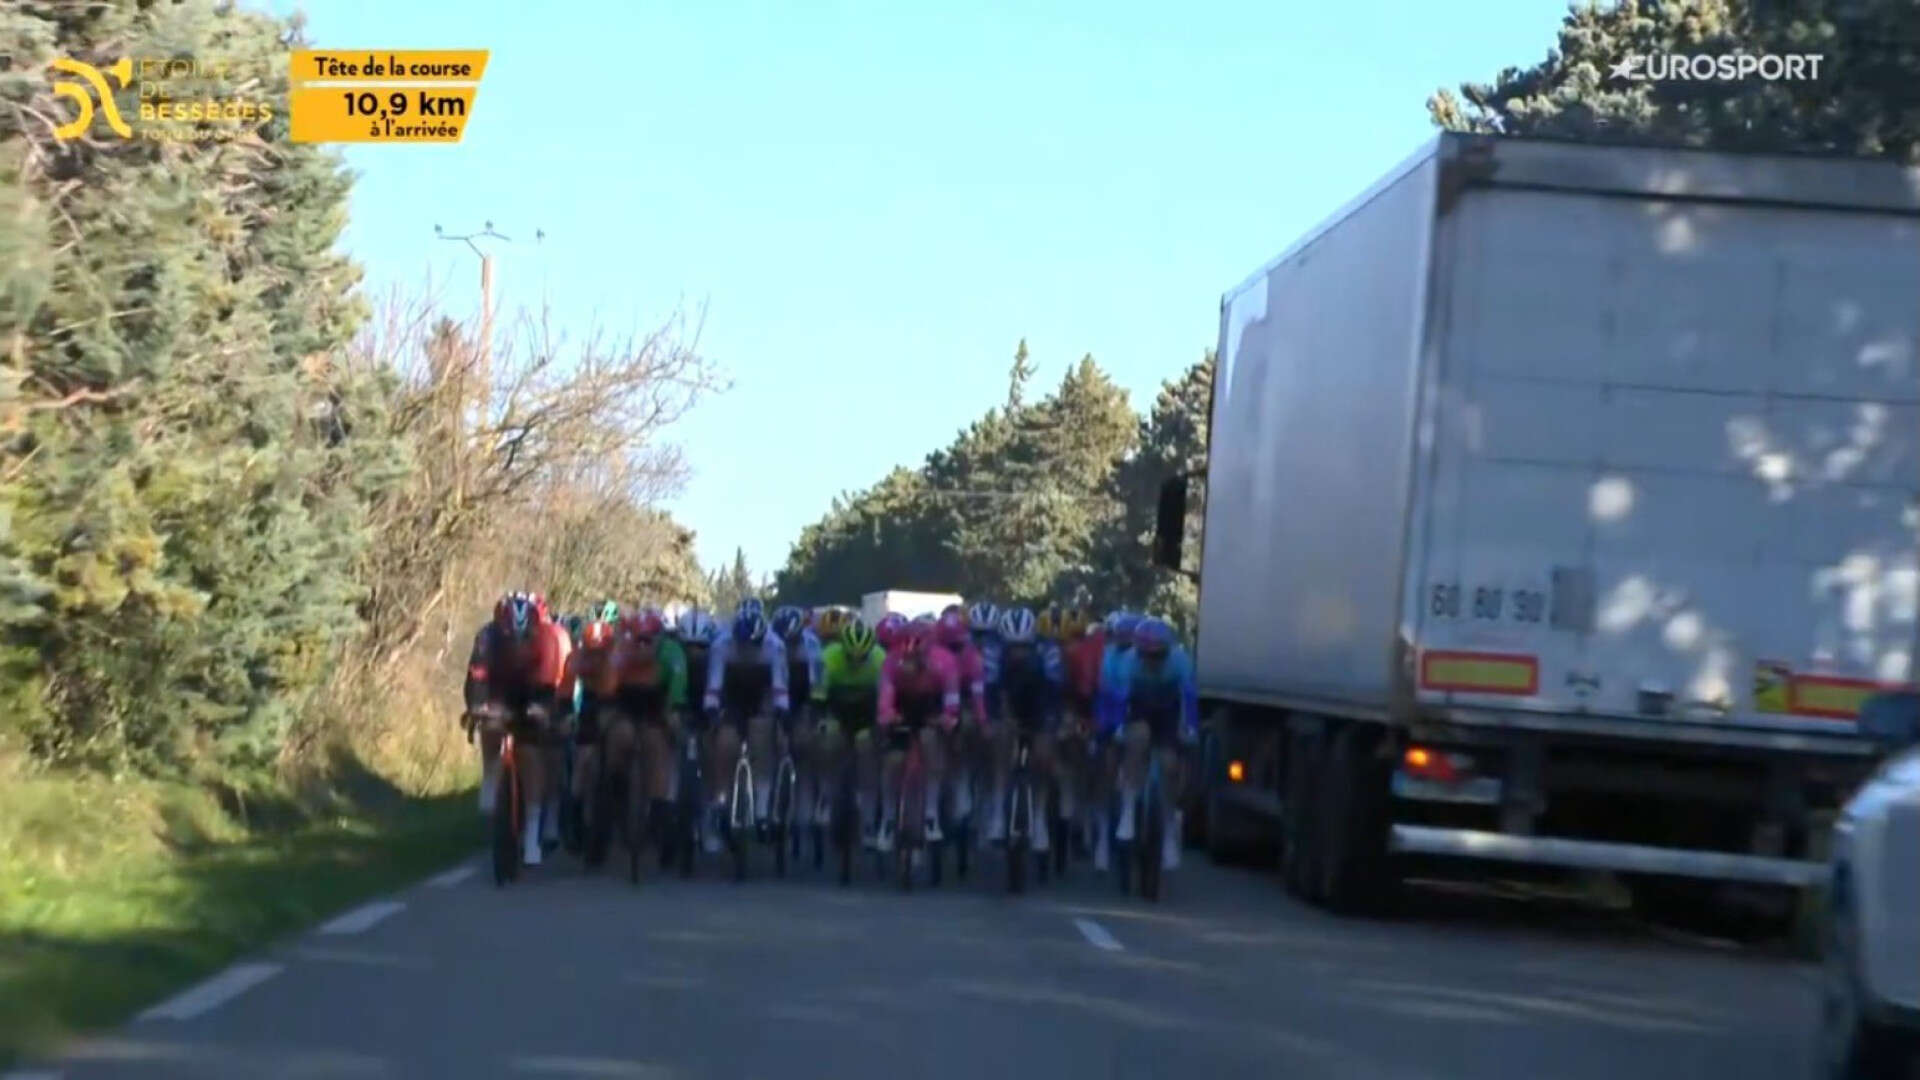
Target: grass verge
(113, 895)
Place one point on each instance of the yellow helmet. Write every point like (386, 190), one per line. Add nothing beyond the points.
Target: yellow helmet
(1047, 626)
(1073, 624)
(828, 624)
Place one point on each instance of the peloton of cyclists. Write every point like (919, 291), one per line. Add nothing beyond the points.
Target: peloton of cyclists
(618, 689)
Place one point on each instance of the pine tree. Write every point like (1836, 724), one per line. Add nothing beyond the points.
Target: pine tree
(1018, 377)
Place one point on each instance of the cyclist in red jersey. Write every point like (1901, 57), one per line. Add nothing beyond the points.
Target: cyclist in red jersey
(590, 689)
(516, 669)
(1084, 647)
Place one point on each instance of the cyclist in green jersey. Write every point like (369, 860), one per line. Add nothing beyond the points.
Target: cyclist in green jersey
(847, 699)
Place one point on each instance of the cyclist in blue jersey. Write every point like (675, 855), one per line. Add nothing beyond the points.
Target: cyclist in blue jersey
(1156, 709)
(1109, 712)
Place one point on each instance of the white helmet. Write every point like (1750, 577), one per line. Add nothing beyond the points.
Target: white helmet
(1017, 626)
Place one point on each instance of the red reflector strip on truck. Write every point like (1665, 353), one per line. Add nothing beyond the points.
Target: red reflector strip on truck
(1480, 673)
(1835, 699)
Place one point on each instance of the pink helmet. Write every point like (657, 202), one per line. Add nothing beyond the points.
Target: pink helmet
(892, 626)
(951, 630)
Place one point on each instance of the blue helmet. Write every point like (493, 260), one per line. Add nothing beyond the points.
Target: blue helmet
(1153, 637)
(749, 628)
(788, 622)
(1121, 625)
(751, 605)
(983, 618)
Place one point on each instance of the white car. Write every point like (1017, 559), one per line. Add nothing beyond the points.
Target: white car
(1870, 1016)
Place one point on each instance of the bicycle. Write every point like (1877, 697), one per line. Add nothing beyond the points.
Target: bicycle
(619, 811)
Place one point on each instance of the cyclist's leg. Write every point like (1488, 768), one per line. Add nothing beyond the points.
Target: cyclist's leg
(1043, 771)
(804, 747)
(829, 745)
(489, 769)
(1166, 746)
(727, 744)
(1135, 741)
(530, 762)
(933, 751)
(760, 756)
(896, 736)
(866, 758)
(656, 766)
(999, 747)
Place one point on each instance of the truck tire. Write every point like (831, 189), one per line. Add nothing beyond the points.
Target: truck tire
(1353, 877)
(1299, 862)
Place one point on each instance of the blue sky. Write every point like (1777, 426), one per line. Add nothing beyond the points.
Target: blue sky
(876, 201)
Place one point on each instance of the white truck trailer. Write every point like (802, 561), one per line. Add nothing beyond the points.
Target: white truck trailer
(1561, 512)
(911, 604)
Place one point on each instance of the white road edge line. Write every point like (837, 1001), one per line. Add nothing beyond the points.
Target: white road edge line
(1097, 935)
(452, 877)
(362, 918)
(213, 993)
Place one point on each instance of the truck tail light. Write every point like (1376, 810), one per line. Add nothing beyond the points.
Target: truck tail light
(1429, 764)
(1237, 771)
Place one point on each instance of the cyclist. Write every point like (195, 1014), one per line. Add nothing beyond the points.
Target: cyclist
(653, 691)
(917, 680)
(694, 632)
(847, 699)
(576, 627)
(969, 744)
(517, 665)
(790, 624)
(1160, 709)
(591, 687)
(746, 673)
(888, 630)
(1085, 647)
(1027, 694)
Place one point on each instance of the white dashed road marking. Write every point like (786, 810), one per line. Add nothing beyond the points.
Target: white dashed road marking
(452, 877)
(363, 917)
(213, 993)
(1097, 935)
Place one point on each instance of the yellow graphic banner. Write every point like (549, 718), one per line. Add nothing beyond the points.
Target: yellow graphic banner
(375, 96)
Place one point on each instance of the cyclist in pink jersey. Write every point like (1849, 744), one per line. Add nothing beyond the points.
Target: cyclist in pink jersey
(918, 682)
(967, 745)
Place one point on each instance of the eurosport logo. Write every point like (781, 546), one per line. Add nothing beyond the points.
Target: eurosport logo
(1729, 67)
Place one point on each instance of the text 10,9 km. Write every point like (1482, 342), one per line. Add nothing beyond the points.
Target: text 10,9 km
(397, 104)
(1488, 602)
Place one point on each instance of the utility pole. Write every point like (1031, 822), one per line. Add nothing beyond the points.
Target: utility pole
(484, 411)
(487, 232)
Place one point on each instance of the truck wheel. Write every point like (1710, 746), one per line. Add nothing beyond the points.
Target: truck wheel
(1353, 858)
(1299, 864)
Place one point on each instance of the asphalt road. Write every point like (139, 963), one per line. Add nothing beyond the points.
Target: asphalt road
(563, 975)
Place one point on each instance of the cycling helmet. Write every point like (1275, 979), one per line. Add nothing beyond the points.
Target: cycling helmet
(891, 626)
(596, 635)
(831, 623)
(1120, 627)
(609, 612)
(913, 642)
(688, 624)
(701, 630)
(857, 639)
(749, 628)
(1017, 626)
(1153, 638)
(951, 630)
(788, 622)
(753, 606)
(516, 614)
(642, 626)
(983, 617)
